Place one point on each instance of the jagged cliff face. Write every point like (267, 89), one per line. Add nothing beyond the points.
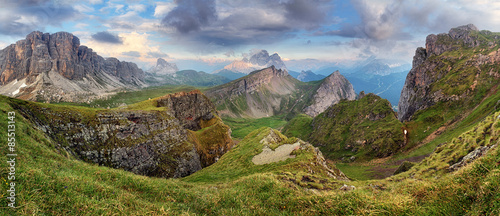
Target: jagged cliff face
(453, 68)
(162, 67)
(162, 139)
(333, 89)
(256, 95)
(56, 67)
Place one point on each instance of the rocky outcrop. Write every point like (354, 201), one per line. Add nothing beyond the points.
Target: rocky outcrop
(285, 150)
(162, 67)
(430, 80)
(333, 89)
(191, 109)
(153, 143)
(471, 157)
(29, 60)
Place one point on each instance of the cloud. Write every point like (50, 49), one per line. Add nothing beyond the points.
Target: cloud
(137, 8)
(402, 20)
(191, 15)
(231, 23)
(132, 54)
(136, 47)
(24, 16)
(162, 8)
(107, 37)
(157, 55)
(230, 53)
(308, 14)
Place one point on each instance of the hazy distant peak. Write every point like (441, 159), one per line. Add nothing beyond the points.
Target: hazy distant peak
(163, 67)
(257, 61)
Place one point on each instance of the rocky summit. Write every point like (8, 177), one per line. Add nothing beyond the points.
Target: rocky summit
(273, 91)
(161, 137)
(55, 67)
(459, 67)
(162, 67)
(334, 88)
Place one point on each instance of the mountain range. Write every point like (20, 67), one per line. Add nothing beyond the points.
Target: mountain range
(337, 153)
(259, 60)
(55, 67)
(273, 91)
(164, 73)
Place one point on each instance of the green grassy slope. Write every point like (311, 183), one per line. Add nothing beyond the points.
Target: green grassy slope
(364, 128)
(48, 182)
(241, 127)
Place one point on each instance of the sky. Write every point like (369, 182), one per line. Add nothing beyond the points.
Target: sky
(205, 35)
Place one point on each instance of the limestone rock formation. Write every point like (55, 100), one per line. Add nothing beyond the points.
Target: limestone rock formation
(56, 67)
(431, 78)
(162, 67)
(333, 89)
(163, 142)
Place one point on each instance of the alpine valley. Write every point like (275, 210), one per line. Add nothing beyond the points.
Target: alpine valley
(99, 136)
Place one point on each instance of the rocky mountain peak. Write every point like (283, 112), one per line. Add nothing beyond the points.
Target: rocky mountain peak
(254, 90)
(438, 44)
(419, 91)
(161, 62)
(333, 89)
(260, 58)
(57, 65)
(162, 67)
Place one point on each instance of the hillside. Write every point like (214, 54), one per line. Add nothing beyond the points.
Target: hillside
(256, 95)
(55, 67)
(271, 91)
(49, 181)
(452, 86)
(349, 130)
(170, 136)
(457, 69)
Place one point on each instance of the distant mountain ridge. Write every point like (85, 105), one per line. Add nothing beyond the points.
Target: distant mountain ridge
(162, 67)
(257, 61)
(164, 73)
(307, 76)
(55, 67)
(273, 91)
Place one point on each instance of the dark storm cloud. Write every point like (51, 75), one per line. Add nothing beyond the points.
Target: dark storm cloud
(107, 37)
(309, 14)
(24, 16)
(132, 53)
(191, 15)
(243, 22)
